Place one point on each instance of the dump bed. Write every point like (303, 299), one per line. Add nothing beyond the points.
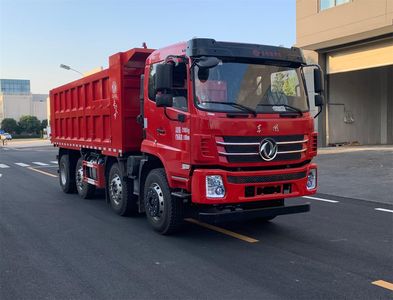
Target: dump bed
(99, 111)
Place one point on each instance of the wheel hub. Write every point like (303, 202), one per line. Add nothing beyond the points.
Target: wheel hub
(79, 178)
(116, 189)
(155, 201)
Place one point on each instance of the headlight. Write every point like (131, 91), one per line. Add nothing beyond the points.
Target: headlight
(312, 179)
(214, 187)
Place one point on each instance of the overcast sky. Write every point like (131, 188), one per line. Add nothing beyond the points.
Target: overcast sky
(38, 35)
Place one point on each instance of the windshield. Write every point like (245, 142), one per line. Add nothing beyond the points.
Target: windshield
(261, 88)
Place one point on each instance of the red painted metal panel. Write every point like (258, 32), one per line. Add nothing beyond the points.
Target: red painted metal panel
(99, 111)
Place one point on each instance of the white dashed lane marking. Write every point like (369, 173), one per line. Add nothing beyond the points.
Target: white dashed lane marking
(321, 199)
(335, 201)
(22, 164)
(384, 209)
(39, 163)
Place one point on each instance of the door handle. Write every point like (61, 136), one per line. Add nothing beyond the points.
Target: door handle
(161, 131)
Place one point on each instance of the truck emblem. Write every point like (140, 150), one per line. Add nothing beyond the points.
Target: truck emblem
(276, 128)
(114, 87)
(259, 128)
(114, 97)
(268, 149)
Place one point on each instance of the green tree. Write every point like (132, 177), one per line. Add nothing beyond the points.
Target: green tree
(9, 125)
(285, 82)
(289, 87)
(278, 81)
(44, 124)
(29, 124)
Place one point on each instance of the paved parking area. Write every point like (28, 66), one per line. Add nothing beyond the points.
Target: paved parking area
(357, 172)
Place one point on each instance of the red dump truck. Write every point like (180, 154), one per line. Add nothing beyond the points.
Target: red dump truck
(212, 130)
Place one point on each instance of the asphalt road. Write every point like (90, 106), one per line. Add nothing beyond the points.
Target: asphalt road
(54, 245)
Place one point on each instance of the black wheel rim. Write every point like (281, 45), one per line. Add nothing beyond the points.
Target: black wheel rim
(155, 202)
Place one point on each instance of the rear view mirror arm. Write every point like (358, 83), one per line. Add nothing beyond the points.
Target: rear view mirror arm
(319, 111)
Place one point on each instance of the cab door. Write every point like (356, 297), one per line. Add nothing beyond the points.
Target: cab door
(169, 128)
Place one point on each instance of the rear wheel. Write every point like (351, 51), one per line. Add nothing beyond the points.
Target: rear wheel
(120, 190)
(66, 174)
(84, 189)
(164, 212)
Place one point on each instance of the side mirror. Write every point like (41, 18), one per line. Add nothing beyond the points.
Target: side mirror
(318, 81)
(164, 77)
(207, 62)
(318, 100)
(203, 74)
(164, 100)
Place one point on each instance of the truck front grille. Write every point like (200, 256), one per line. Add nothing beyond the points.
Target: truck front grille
(246, 148)
(265, 178)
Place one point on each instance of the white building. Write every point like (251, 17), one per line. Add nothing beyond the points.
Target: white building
(16, 100)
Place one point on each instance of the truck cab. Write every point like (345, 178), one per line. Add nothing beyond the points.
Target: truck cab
(231, 125)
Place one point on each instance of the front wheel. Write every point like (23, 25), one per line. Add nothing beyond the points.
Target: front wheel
(163, 212)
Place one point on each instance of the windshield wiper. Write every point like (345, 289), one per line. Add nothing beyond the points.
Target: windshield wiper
(294, 109)
(237, 105)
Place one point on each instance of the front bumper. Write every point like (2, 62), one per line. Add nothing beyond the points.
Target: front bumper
(247, 214)
(252, 186)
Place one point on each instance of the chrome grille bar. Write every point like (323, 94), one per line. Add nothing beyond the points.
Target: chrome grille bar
(257, 144)
(237, 154)
(256, 153)
(292, 151)
(238, 144)
(292, 142)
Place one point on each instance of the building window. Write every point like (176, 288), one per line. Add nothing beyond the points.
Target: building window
(326, 4)
(14, 86)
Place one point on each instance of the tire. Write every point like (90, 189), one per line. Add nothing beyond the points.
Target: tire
(120, 191)
(164, 212)
(84, 189)
(66, 174)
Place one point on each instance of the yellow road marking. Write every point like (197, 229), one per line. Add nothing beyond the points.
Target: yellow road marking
(384, 284)
(45, 167)
(42, 172)
(224, 231)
